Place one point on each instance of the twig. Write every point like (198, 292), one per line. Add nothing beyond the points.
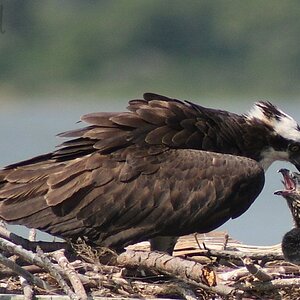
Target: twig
(187, 271)
(226, 238)
(2, 224)
(236, 255)
(21, 252)
(6, 272)
(188, 294)
(197, 241)
(25, 274)
(255, 270)
(27, 289)
(233, 275)
(269, 285)
(55, 273)
(71, 274)
(30, 257)
(164, 289)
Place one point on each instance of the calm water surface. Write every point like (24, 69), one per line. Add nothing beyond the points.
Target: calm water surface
(29, 128)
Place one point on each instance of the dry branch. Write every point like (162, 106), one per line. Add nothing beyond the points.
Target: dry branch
(27, 289)
(25, 274)
(26, 255)
(185, 270)
(169, 288)
(256, 271)
(270, 285)
(56, 274)
(236, 255)
(71, 274)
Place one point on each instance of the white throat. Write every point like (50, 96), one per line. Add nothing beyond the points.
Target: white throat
(270, 155)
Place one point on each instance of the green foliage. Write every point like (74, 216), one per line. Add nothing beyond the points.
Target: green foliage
(187, 47)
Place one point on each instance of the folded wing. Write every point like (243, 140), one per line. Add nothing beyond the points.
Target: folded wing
(131, 194)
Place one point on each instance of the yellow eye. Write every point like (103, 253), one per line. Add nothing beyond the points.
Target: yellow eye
(294, 147)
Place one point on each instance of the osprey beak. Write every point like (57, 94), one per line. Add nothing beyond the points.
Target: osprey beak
(284, 172)
(288, 181)
(295, 160)
(296, 163)
(279, 193)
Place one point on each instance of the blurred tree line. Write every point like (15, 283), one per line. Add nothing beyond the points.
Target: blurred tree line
(178, 47)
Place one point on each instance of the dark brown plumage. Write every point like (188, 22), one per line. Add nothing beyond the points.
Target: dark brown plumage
(140, 174)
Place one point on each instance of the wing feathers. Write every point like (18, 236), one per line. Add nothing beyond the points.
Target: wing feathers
(17, 210)
(109, 199)
(28, 174)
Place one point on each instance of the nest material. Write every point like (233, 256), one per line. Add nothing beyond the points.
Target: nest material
(204, 266)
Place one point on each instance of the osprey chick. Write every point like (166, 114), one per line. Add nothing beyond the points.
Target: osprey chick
(291, 240)
(164, 168)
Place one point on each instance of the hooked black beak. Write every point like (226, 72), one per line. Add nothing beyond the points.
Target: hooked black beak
(279, 193)
(296, 163)
(284, 172)
(295, 160)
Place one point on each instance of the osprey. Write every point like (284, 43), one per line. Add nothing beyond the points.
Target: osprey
(291, 240)
(163, 169)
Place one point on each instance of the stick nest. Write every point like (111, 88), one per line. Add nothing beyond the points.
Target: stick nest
(204, 266)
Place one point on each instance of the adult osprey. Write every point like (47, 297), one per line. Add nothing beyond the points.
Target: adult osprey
(165, 168)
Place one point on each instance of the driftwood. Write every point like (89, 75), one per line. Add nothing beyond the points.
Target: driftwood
(188, 271)
(71, 274)
(203, 267)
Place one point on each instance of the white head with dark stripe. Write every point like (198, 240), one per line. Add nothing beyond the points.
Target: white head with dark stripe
(285, 134)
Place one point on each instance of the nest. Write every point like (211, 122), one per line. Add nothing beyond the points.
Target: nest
(204, 266)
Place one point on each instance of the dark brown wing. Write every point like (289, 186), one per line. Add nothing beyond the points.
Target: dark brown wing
(131, 194)
(155, 120)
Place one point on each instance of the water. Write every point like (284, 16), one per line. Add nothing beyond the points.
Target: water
(29, 128)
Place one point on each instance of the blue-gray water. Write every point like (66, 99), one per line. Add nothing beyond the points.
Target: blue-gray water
(29, 128)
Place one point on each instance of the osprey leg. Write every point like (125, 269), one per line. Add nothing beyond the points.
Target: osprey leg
(163, 243)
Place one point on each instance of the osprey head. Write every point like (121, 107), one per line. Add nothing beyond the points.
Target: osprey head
(291, 192)
(291, 182)
(284, 131)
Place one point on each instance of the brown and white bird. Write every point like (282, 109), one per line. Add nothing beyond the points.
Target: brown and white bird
(163, 169)
(291, 240)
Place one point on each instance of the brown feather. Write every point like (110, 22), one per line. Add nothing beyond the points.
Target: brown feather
(128, 119)
(180, 137)
(156, 116)
(155, 137)
(100, 119)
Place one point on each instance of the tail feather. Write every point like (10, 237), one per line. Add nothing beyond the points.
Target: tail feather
(47, 221)
(23, 191)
